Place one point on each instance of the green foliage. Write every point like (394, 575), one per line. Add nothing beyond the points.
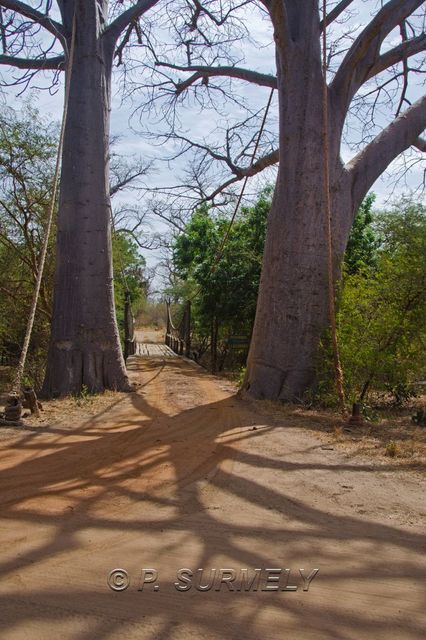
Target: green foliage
(226, 289)
(27, 157)
(241, 376)
(129, 270)
(402, 392)
(28, 146)
(83, 396)
(382, 314)
(382, 306)
(363, 242)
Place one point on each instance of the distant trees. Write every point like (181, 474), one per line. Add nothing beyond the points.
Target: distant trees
(129, 276)
(27, 152)
(225, 289)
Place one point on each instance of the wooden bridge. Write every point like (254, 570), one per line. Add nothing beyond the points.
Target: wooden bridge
(150, 343)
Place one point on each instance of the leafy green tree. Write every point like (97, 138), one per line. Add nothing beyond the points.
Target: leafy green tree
(224, 283)
(27, 156)
(129, 275)
(382, 315)
(361, 250)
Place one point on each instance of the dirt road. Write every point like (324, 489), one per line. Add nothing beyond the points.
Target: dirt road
(183, 474)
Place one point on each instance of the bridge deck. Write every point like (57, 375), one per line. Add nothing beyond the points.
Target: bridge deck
(154, 350)
(150, 344)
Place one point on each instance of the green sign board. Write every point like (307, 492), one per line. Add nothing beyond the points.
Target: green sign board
(238, 341)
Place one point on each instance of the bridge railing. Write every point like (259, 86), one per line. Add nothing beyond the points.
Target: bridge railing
(129, 329)
(178, 338)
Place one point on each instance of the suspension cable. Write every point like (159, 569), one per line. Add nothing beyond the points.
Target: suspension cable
(338, 371)
(16, 385)
(219, 254)
(237, 206)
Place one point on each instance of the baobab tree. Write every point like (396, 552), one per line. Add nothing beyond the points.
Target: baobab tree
(41, 36)
(292, 309)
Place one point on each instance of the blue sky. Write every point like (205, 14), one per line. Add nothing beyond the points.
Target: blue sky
(259, 57)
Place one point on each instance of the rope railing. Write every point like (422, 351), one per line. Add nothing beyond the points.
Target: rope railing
(338, 371)
(129, 328)
(178, 338)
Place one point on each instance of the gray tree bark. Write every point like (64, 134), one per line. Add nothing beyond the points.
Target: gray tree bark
(84, 346)
(292, 305)
(292, 308)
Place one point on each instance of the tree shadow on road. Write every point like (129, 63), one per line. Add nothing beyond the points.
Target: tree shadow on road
(201, 487)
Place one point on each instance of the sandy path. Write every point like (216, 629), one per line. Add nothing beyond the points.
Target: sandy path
(150, 335)
(183, 474)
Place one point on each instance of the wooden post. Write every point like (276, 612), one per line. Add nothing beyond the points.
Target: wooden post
(168, 342)
(129, 347)
(213, 346)
(188, 329)
(356, 417)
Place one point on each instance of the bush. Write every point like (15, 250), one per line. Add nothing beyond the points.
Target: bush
(382, 312)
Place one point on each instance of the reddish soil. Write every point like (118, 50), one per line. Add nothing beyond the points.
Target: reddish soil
(183, 473)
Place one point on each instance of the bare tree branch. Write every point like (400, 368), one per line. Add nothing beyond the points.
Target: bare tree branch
(123, 20)
(407, 49)
(336, 12)
(201, 8)
(2, 32)
(37, 16)
(266, 161)
(56, 64)
(119, 186)
(368, 165)
(365, 51)
(125, 173)
(420, 144)
(201, 72)
(405, 71)
(262, 163)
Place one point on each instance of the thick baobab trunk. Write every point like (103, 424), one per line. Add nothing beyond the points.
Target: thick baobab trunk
(84, 345)
(292, 308)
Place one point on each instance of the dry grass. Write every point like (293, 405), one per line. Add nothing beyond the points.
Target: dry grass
(67, 412)
(391, 436)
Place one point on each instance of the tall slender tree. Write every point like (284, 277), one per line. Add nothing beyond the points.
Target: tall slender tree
(84, 344)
